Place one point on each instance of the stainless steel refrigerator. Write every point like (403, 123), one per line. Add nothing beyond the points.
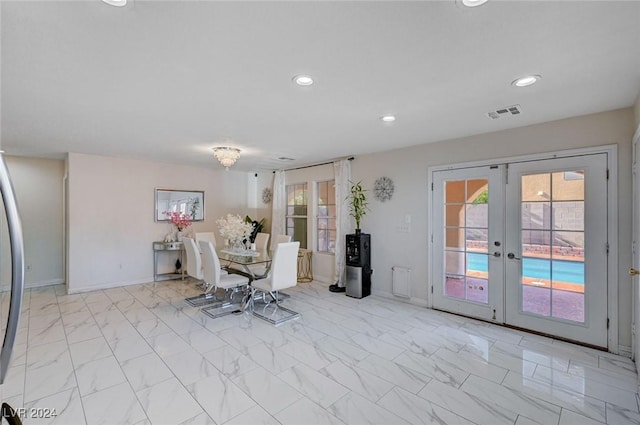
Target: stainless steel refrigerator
(17, 267)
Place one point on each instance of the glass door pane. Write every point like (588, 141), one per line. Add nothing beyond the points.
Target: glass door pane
(466, 233)
(552, 238)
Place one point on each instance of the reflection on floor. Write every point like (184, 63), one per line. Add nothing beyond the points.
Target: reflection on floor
(141, 355)
(537, 299)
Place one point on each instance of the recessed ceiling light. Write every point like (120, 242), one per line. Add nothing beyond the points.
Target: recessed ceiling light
(473, 3)
(388, 118)
(117, 3)
(303, 80)
(525, 81)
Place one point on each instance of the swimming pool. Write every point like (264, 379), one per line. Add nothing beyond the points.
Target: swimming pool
(537, 268)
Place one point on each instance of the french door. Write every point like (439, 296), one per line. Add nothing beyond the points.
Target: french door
(525, 244)
(468, 235)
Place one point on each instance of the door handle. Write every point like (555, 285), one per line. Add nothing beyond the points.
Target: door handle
(634, 272)
(496, 254)
(512, 256)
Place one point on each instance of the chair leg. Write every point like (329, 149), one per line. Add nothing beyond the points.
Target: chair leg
(274, 297)
(248, 305)
(198, 283)
(234, 292)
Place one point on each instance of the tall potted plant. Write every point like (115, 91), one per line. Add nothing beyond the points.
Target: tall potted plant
(359, 205)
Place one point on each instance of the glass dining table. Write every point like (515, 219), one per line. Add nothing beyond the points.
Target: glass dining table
(251, 264)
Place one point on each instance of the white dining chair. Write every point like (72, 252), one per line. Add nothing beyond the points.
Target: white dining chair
(206, 236)
(212, 275)
(261, 241)
(279, 239)
(283, 239)
(282, 275)
(194, 262)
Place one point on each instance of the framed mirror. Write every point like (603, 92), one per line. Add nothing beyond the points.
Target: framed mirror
(190, 202)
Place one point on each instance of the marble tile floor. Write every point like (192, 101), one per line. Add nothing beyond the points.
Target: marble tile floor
(140, 355)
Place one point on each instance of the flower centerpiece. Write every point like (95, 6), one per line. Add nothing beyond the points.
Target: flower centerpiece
(180, 220)
(234, 229)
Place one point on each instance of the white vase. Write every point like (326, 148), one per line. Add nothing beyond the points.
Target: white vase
(179, 236)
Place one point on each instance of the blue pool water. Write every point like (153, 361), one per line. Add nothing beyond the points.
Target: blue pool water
(558, 270)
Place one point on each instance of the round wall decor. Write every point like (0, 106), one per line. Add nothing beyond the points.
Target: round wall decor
(383, 189)
(266, 195)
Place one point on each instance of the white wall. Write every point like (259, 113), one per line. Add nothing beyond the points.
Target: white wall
(111, 214)
(38, 186)
(262, 210)
(408, 169)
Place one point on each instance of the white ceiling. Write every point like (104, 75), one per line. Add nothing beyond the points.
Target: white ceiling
(167, 81)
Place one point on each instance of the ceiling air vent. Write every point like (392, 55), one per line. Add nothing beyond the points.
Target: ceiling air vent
(284, 158)
(505, 112)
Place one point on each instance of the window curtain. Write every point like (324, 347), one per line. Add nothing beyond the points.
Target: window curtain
(279, 206)
(342, 175)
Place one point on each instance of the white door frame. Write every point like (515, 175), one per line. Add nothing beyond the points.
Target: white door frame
(612, 225)
(635, 248)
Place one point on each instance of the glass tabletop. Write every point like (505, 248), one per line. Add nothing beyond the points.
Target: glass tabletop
(245, 259)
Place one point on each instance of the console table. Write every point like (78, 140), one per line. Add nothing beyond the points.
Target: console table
(168, 247)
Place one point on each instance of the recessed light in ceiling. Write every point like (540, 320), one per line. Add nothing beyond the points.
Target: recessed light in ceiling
(117, 3)
(525, 81)
(303, 80)
(388, 118)
(473, 3)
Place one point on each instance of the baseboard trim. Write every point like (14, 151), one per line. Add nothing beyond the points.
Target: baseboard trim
(109, 285)
(420, 302)
(38, 284)
(412, 300)
(323, 279)
(45, 283)
(385, 294)
(624, 351)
